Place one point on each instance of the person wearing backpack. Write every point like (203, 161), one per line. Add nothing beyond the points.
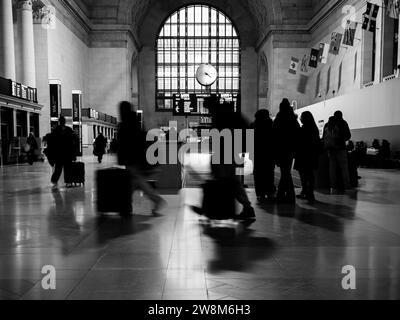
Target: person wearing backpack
(336, 134)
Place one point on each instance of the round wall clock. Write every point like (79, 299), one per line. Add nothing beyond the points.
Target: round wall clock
(206, 74)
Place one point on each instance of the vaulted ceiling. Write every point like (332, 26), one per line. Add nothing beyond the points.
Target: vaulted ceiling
(252, 17)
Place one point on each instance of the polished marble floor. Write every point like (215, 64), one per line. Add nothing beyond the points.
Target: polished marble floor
(289, 253)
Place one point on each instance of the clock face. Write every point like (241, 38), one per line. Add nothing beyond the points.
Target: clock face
(206, 74)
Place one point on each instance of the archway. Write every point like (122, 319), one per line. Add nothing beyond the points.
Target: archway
(194, 35)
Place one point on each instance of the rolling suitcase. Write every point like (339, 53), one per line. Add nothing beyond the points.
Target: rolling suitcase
(219, 200)
(114, 191)
(75, 173)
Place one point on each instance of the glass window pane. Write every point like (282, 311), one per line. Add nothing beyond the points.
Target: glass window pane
(191, 57)
(174, 30)
(167, 71)
(204, 58)
(182, 15)
(174, 84)
(182, 30)
(235, 84)
(183, 44)
(182, 84)
(213, 57)
(229, 83)
(167, 84)
(198, 30)
(222, 30)
(235, 72)
(235, 57)
(197, 14)
(167, 30)
(190, 14)
(229, 31)
(191, 71)
(198, 58)
(213, 16)
(167, 57)
(213, 30)
(174, 57)
(191, 30)
(205, 13)
(205, 30)
(212, 39)
(182, 57)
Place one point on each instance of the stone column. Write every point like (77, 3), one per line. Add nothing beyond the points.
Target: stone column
(14, 114)
(28, 123)
(7, 54)
(26, 41)
(398, 44)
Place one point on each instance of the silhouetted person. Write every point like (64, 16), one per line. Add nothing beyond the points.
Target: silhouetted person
(132, 153)
(336, 134)
(285, 130)
(307, 154)
(375, 144)
(385, 152)
(99, 147)
(263, 158)
(33, 146)
(64, 149)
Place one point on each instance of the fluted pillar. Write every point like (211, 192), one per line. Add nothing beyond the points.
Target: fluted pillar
(26, 43)
(7, 53)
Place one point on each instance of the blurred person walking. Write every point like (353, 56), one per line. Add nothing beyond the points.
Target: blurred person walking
(32, 146)
(99, 147)
(132, 153)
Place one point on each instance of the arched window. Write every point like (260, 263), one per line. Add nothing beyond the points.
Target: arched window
(191, 36)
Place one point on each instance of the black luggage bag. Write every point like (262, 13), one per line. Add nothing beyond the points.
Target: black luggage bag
(114, 191)
(219, 200)
(74, 173)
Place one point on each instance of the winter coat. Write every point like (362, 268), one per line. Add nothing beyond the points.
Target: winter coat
(308, 149)
(131, 142)
(100, 145)
(65, 144)
(263, 142)
(285, 132)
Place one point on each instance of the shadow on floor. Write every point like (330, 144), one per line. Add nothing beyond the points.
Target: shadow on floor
(235, 248)
(109, 228)
(323, 215)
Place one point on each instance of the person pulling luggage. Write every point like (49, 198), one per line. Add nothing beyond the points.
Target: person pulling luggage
(131, 142)
(64, 150)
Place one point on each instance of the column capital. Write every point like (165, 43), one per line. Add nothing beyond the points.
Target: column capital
(24, 5)
(44, 15)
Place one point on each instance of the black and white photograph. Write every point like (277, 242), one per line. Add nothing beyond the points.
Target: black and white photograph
(216, 153)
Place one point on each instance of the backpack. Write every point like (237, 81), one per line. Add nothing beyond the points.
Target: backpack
(332, 137)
